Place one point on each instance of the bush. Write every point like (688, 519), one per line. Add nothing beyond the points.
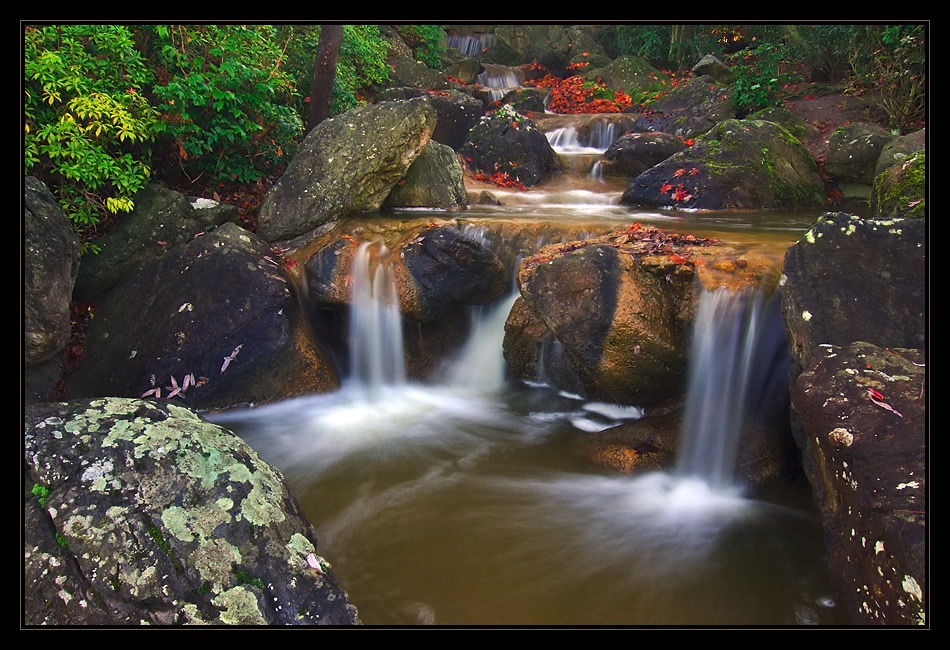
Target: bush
(86, 118)
(361, 65)
(895, 65)
(759, 80)
(225, 99)
(426, 41)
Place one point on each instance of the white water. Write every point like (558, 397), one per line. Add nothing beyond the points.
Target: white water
(465, 501)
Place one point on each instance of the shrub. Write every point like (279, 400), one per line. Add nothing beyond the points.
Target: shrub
(759, 79)
(225, 99)
(361, 65)
(426, 41)
(86, 118)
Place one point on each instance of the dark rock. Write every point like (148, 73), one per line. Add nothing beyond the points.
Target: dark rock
(217, 310)
(140, 513)
(348, 163)
(860, 415)
(711, 66)
(853, 152)
(161, 221)
(898, 150)
(738, 164)
(634, 153)
(850, 279)
(50, 266)
(506, 142)
(689, 110)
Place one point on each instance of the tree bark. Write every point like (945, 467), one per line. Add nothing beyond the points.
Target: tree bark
(324, 71)
(681, 34)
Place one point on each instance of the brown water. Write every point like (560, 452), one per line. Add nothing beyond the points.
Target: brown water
(474, 505)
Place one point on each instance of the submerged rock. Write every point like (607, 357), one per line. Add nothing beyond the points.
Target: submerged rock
(140, 513)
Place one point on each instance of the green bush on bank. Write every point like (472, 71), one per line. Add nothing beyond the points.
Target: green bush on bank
(86, 118)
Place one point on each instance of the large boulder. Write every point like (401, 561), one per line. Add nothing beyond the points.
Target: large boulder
(855, 309)
(326, 180)
(161, 221)
(511, 146)
(620, 307)
(737, 165)
(851, 279)
(457, 112)
(50, 265)
(214, 323)
(633, 153)
(860, 414)
(139, 512)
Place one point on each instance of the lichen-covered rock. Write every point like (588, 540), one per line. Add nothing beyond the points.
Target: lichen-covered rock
(141, 513)
(212, 324)
(689, 110)
(737, 165)
(860, 420)
(851, 279)
(853, 152)
(348, 163)
(633, 153)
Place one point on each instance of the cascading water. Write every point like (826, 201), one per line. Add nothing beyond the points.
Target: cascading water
(375, 338)
(737, 368)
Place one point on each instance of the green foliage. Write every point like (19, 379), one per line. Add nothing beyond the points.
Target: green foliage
(427, 42)
(893, 60)
(650, 42)
(86, 119)
(225, 99)
(360, 66)
(759, 80)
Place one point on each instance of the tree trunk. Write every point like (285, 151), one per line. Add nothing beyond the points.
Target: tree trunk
(679, 38)
(324, 71)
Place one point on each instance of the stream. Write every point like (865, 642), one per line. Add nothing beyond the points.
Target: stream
(468, 500)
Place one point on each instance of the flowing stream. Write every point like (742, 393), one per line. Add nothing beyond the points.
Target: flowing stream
(467, 500)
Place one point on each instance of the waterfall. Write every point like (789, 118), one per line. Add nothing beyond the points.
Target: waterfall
(375, 336)
(472, 44)
(499, 79)
(737, 365)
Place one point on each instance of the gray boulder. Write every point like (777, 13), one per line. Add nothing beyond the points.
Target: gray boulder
(348, 163)
(854, 150)
(50, 266)
(434, 180)
(141, 513)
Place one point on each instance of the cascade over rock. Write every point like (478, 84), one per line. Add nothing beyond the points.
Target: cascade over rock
(325, 180)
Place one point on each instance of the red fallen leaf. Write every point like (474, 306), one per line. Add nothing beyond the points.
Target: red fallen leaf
(678, 173)
(878, 399)
(681, 195)
(694, 171)
(809, 97)
(634, 227)
(665, 187)
(676, 258)
(289, 263)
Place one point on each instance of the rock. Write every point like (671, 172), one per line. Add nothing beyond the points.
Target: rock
(217, 310)
(507, 143)
(634, 153)
(737, 165)
(900, 191)
(621, 305)
(900, 149)
(867, 467)
(711, 66)
(629, 74)
(853, 152)
(435, 180)
(851, 279)
(688, 111)
(325, 180)
(456, 111)
(50, 266)
(161, 221)
(140, 513)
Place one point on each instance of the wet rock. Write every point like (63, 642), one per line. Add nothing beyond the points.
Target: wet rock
(140, 513)
(688, 111)
(901, 190)
(860, 415)
(853, 152)
(851, 279)
(634, 153)
(507, 143)
(434, 180)
(219, 312)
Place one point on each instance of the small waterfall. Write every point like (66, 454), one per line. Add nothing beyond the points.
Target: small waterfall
(499, 79)
(472, 44)
(738, 363)
(481, 364)
(375, 337)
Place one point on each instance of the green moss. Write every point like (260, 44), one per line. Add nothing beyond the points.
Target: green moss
(156, 535)
(245, 578)
(42, 492)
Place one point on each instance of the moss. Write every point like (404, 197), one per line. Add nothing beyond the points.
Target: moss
(245, 578)
(909, 192)
(156, 535)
